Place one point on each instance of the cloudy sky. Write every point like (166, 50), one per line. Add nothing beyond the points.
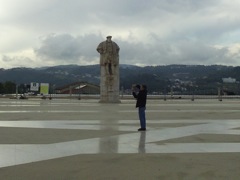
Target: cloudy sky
(36, 33)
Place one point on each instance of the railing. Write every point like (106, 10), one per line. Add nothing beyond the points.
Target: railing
(124, 96)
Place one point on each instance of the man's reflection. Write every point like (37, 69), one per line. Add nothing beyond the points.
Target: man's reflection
(142, 140)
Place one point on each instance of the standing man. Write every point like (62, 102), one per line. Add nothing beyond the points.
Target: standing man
(141, 105)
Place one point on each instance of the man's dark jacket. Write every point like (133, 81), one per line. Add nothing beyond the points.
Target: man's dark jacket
(141, 98)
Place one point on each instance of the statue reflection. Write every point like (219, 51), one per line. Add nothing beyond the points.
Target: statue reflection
(109, 144)
(142, 141)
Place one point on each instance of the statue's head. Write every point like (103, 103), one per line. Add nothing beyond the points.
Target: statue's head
(109, 38)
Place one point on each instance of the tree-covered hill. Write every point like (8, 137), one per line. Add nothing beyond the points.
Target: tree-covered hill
(159, 79)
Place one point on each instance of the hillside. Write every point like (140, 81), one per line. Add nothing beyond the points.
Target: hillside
(159, 79)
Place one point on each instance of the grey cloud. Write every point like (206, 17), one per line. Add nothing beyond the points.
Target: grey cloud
(60, 47)
(17, 61)
(6, 59)
(164, 32)
(186, 6)
(184, 52)
(65, 47)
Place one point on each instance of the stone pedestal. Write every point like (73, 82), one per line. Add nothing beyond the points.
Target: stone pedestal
(109, 86)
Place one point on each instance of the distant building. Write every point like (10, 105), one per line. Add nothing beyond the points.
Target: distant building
(229, 80)
(230, 86)
(34, 86)
(78, 88)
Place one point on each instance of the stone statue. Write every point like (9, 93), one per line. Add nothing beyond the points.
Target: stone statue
(109, 55)
(109, 65)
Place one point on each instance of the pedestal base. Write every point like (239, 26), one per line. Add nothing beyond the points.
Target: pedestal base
(109, 86)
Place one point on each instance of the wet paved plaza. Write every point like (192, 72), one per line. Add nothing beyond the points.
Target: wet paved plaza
(83, 139)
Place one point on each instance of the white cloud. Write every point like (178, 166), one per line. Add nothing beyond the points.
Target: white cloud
(148, 32)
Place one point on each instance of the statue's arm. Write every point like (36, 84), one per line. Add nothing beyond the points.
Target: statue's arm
(117, 48)
(100, 48)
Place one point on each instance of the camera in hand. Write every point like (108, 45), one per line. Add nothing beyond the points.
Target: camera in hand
(135, 87)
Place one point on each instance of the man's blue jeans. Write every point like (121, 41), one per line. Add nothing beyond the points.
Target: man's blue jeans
(142, 118)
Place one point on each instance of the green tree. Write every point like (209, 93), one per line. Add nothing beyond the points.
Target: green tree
(9, 87)
(1, 88)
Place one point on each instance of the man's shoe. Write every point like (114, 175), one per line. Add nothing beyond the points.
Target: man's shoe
(142, 129)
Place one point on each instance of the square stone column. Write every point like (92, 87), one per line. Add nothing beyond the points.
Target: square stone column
(109, 86)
